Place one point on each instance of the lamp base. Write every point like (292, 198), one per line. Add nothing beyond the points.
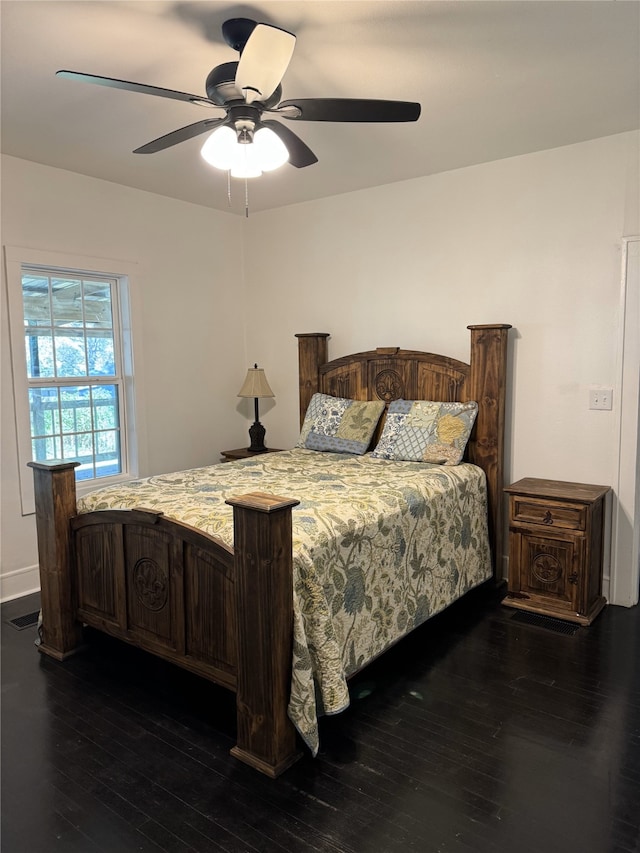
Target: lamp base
(256, 434)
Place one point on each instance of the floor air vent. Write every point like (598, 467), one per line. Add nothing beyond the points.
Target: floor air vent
(548, 622)
(29, 620)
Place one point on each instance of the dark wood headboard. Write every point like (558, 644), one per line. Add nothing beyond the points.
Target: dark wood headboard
(389, 373)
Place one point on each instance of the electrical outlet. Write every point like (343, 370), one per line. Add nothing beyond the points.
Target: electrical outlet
(601, 398)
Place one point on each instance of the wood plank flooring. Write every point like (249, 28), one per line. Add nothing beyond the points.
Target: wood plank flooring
(477, 734)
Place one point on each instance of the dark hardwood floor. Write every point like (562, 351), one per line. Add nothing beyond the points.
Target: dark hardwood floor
(477, 733)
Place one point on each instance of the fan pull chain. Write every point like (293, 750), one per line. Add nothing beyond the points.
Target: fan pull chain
(229, 188)
(246, 198)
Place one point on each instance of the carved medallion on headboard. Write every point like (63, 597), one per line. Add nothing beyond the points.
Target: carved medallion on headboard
(388, 385)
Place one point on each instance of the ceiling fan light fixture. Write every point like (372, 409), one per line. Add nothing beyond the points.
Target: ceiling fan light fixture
(224, 151)
(270, 149)
(219, 149)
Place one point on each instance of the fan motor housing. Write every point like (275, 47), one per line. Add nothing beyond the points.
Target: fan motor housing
(222, 90)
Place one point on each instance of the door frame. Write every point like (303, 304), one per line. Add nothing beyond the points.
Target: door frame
(625, 525)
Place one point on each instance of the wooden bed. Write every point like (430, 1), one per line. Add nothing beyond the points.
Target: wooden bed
(226, 613)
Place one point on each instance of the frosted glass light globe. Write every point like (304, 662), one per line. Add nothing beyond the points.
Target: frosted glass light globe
(219, 150)
(271, 150)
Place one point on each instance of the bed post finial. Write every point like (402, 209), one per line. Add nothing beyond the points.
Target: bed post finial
(55, 490)
(488, 363)
(312, 352)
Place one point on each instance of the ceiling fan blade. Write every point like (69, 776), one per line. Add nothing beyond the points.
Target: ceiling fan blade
(351, 109)
(300, 154)
(180, 135)
(127, 85)
(263, 61)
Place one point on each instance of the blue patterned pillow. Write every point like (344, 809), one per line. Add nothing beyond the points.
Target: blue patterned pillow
(339, 425)
(425, 431)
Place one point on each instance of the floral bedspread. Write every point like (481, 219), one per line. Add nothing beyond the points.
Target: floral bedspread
(379, 547)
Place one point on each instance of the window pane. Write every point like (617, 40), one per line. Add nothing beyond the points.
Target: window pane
(106, 442)
(107, 453)
(46, 449)
(45, 414)
(82, 451)
(69, 447)
(67, 302)
(35, 298)
(76, 409)
(84, 444)
(100, 353)
(39, 344)
(78, 447)
(70, 353)
(105, 407)
(97, 305)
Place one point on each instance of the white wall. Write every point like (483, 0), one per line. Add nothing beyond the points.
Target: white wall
(188, 283)
(533, 241)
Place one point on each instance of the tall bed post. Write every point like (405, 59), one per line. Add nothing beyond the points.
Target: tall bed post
(264, 611)
(488, 363)
(312, 352)
(55, 493)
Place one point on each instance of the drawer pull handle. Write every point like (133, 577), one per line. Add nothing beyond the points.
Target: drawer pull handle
(548, 518)
(573, 578)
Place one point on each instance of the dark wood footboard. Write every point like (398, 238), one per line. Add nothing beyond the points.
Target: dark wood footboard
(180, 594)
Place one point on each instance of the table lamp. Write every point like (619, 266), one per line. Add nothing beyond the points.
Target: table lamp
(256, 386)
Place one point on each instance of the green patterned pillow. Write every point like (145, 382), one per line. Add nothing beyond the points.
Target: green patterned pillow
(424, 431)
(339, 425)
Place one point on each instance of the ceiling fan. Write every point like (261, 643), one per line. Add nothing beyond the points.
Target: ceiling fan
(249, 92)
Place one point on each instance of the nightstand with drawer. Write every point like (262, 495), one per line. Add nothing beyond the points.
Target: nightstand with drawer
(556, 539)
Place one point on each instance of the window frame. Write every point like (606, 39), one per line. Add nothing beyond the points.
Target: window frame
(19, 260)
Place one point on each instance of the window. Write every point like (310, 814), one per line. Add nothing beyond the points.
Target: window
(72, 357)
(73, 370)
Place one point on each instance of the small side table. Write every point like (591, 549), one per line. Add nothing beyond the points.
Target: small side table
(556, 548)
(244, 453)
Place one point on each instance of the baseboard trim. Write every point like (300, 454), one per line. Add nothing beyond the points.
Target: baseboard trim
(19, 582)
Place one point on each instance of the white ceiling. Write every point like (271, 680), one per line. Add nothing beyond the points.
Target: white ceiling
(495, 80)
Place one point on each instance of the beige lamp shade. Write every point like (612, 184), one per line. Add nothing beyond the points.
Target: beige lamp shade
(255, 384)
